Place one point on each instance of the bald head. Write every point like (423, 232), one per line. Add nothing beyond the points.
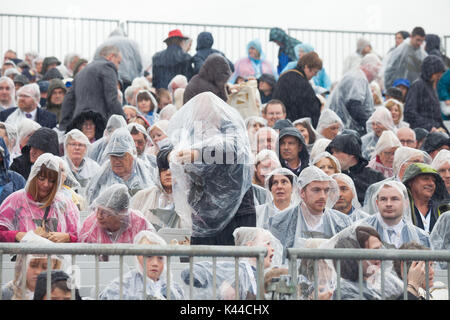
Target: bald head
(407, 137)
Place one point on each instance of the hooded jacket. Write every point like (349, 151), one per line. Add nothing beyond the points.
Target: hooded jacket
(301, 102)
(54, 108)
(303, 154)
(286, 52)
(212, 77)
(97, 118)
(44, 139)
(361, 175)
(435, 140)
(422, 107)
(10, 181)
(205, 41)
(439, 202)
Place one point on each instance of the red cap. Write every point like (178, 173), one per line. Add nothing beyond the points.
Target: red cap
(175, 33)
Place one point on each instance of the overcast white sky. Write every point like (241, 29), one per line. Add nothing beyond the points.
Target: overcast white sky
(368, 15)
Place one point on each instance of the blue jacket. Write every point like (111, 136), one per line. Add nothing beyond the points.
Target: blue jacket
(10, 181)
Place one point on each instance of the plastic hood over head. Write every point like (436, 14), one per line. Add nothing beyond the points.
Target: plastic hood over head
(115, 198)
(311, 174)
(405, 155)
(179, 81)
(349, 181)
(327, 118)
(295, 197)
(121, 142)
(383, 116)
(387, 140)
(48, 160)
(114, 122)
(76, 135)
(441, 159)
(400, 187)
(31, 90)
(167, 112)
(152, 98)
(328, 155)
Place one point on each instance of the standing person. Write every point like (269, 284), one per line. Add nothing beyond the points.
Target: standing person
(211, 170)
(352, 98)
(301, 102)
(353, 61)
(94, 89)
(405, 60)
(286, 53)
(422, 106)
(204, 48)
(172, 61)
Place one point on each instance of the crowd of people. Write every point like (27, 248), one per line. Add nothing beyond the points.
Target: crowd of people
(242, 153)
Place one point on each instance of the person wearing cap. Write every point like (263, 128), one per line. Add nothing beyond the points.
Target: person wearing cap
(402, 84)
(435, 142)
(347, 149)
(49, 63)
(303, 101)
(111, 219)
(266, 83)
(60, 286)
(281, 124)
(292, 150)
(19, 81)
(27, 101)
(428, 195)
(273, 111)
(393, 219)
(55, 97)
(7, 93)
(121, 166)
(314, 216)
(94, 89)
(353, 61)
(172, 61)
(348, 198)
(352, 98)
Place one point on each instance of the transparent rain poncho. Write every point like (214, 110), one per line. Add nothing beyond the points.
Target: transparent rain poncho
(225, 270)
(441, 159)
(145, 156)
(70, 187)
(440, 236)
(371, 289)
(162, 126)
(409, 232)
(328, 118)
(179, 81)
(319, 147)
(266, 211)
(120, 142)
(250, 123)
(293, 227)
(328, 155)
(382, 116)
(88, 167)
(403, 62)
(209, 191)
(387, 140)
(390, 103)
(357, 213)
(113, 201)
(12, 92)
(133, 281)
(20, 212)
(167, 112)
(152, 116)
(403, 157)
(30, 90)
(11, 132)
(25, 128)
(98, 147)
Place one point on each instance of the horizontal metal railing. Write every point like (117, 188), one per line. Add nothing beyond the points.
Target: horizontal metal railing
(293, 254)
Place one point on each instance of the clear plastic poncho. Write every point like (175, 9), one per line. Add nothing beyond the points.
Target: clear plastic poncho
(440, 235)
(328, 118)
(266, 211)
(225, 270)
(25, 128)
(371, 290)
(405, 62)
(121, 142)
(31, 90)
(88, 167)
(251, 130)
(209, 191)
(12, 91)
(319, 147)
(19, 212)
(115, 201)
(383, 117)
(11, 132)
(133, 281)
(357, 212)
(162, 126)
(71, 188)
(387, 140)
(153, 115)
(140, 128)
(179, 81)
(409, 232)
(167, 112)
(441, 159)
(328, 155)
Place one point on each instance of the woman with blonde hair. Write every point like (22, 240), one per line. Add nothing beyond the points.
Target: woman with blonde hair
(396, 109)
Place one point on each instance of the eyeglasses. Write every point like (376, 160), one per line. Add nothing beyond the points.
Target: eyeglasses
(76, 145)
(407, 142)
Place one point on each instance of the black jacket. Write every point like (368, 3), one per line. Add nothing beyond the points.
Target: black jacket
(169, 63)
(94, 88)
(51, 107)
(303, 155)
(97, 118)
(43, 117)
(295, 91)
(205, 41)
(212, 77)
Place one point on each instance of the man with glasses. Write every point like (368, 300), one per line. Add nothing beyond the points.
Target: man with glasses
(407, 137)
(273, 111)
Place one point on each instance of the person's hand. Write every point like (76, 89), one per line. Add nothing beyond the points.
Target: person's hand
(20, 235)
(58, 237)
(416, 274)
(447, 102)
(187, 156)
(233, 88)
(40, 231)
(324, 293)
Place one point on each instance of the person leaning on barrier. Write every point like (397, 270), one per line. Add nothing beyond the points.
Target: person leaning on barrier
(60, 287)
(348, 199)
(156, 275)
(393, 217)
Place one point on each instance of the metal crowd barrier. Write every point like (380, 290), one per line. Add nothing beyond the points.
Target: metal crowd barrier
(122, 250)
(293, 254)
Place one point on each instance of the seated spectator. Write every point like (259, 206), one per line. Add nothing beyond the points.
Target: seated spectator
(253, 124)
(407, 137)
(91, 123)
(403, 85)
(163, 98)
(55, 97)
(313, 217)
(443, 88)
(123, 167)
(327, 163)
(394, 93)
(265, 86)
(41, 207)
(421, 134)
(43, 140)
(428, 195)
(158, 136)
(441, 163)
(392, 219)
(281, 124)
(10, 181)
(156, 276)
(60, 286)
(396, 109)
(70, 187)
(292, 149)
(131, 112)
(274, 110)
(76, 146)
(309, 134)
(266, 161)
(376, 94)
(111, 219)
(147, 105)
(168, 112)
(329, 125)
(379, 121)
(25, 129)
(435, 142)
(282, 190)
(142, 142)
(7, 93)
(9, 135)
(384, 154)
(348, 199)
(266, 138)
(440, 236)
